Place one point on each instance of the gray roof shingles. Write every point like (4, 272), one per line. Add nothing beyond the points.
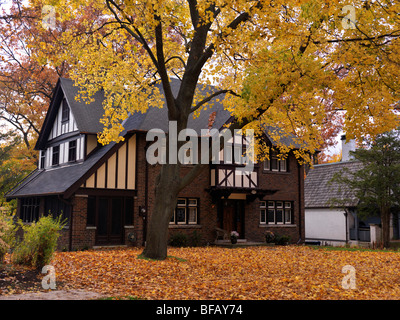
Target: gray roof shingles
(319, 190)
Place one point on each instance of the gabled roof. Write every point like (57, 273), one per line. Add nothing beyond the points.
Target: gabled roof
(87, 116)
(319, 190)
(62, 180)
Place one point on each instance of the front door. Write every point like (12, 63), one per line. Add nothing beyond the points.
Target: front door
(233, 216)
(229, 219)
(109, 221)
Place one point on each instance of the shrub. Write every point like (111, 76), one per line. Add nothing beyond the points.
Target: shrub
(195, 239)
(39, 243)
(7, 234)
(178, 240)
(281, 240)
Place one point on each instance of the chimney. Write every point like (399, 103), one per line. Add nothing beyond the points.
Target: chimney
(347, 147)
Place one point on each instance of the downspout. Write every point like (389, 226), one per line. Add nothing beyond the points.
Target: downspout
(346, 213)
(146, 194)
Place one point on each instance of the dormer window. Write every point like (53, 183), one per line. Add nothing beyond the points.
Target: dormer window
(72, 151)
(42, 158)
(65, 111)
(56, 156)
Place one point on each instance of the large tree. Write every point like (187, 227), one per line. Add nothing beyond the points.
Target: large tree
(377, 183)
(291, 65)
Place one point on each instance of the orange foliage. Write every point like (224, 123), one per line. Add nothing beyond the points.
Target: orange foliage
(292, 272)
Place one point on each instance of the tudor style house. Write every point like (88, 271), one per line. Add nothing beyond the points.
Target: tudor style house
(106, 192)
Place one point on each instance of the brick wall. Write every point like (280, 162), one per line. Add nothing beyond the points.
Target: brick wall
(287, 185)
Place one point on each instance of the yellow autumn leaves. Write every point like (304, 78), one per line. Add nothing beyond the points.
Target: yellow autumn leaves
(266, 273)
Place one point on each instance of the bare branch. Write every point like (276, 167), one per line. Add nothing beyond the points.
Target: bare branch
(210, 97)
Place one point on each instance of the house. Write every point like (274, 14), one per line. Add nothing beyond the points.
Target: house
(106, 192)
(329, 223)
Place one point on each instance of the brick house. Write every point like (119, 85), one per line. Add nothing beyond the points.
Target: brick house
(106, 194)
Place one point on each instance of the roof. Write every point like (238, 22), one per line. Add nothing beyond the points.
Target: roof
(158, 117)
(319, 190)
(57, 180)
(62, 179)
(87, 116)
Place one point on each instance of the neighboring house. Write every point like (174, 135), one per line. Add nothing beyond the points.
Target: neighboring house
(106, 192)
(328, 223)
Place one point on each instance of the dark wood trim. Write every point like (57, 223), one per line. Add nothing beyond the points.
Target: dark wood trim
(116, 168)
(50, 116)
(69, 192)
(84, 146)
(126, 162)
(95, 179)
(106, 192)
(106, 174)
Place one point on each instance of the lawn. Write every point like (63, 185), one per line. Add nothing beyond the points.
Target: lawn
(290, 272)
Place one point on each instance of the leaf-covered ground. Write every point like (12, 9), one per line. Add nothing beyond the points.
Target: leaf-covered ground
(290, 272)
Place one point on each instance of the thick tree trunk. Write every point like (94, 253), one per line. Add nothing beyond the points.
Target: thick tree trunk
(385, 220)
(166, 193)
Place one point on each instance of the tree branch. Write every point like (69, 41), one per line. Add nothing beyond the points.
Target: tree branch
(210, 97)
(162, 70)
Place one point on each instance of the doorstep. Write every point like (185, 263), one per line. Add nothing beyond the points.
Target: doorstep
(241, 243)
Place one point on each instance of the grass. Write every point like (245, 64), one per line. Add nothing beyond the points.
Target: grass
(142, 257)
(336, 248)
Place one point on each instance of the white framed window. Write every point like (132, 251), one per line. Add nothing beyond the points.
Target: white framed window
(276, 212)
(192, 218)
(288, 212)
(186, 212)
(274, 163)
(263, 212)
(180, 211)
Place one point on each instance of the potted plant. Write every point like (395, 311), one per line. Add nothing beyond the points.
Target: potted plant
(234, 237)
(269, 237)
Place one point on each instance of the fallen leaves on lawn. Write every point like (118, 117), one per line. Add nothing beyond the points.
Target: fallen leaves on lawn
(290, 272)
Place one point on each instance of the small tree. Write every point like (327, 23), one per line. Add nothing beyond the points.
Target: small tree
(377, 183)
(7, 234)
(39, 243)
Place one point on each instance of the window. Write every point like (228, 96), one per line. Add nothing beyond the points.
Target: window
(65, 111)
(234, 152)
(276, 212)
(72, 151)
(29, 209)
(42, 158)
(186, 211)
(95, 204)
(275, 164)
(56, 207)
(263, 212)
(56, 156)
(192, 218)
